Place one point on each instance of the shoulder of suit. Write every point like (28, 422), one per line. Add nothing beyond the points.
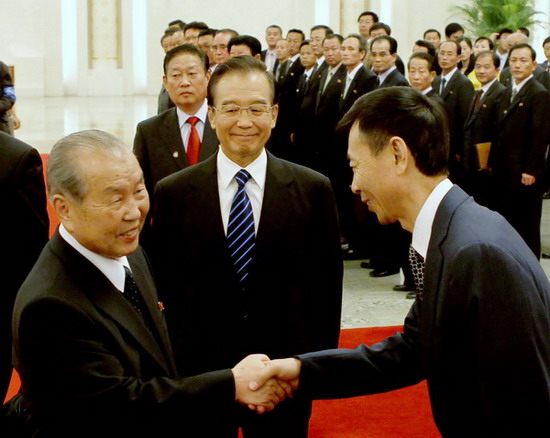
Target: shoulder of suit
(195, 173)
(158, 118)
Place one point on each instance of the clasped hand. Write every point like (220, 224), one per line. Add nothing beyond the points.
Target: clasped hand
(261, 383)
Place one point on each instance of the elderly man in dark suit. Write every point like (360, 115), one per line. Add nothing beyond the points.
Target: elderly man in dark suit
(90, 341)
(518, 156)
(24, 224)
(479, 329)
(247, 248)
(383, 55)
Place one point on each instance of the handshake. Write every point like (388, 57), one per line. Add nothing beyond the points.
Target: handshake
(261, 383)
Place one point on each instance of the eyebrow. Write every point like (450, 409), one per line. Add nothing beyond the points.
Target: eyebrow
(231, 101)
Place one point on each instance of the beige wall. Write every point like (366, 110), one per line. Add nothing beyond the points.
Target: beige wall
(32, 37)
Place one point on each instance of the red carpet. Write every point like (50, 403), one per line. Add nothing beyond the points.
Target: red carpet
(403, 413)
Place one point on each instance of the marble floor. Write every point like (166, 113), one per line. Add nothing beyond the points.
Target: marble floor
(368, 302)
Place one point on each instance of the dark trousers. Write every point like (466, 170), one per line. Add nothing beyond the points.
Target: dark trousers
(522, 208)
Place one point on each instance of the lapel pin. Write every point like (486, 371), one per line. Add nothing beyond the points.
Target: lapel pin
(355, 91)
(339, 81)
(160, 306)
(451, 92)
(176, 154)
(521, 104)
(484, 105)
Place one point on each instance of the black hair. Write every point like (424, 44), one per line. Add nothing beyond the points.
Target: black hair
(189, 49)
(452, 28)
(249, 41)
(381, 25)
(493, 55)
(392, 41)
(242, 65)
(404, 112)
(432, 30)
(523, 46)
(372, 14)
(425, 56)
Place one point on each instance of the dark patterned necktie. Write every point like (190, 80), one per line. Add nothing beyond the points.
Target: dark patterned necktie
(240, 229)
(417, 268)
(132, 293)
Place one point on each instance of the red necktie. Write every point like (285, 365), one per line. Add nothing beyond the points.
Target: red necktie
(194, 142)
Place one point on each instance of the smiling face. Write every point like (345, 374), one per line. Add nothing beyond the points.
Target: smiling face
(186, 82)
(243, 137)
(111, 214)
(372, 176)
(485, 69)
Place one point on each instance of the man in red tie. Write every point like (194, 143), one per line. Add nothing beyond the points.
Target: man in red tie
(182, 136)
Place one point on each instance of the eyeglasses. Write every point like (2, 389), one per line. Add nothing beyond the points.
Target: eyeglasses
(256, 110)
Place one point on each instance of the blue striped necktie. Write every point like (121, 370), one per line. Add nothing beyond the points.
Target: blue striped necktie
(240, 230)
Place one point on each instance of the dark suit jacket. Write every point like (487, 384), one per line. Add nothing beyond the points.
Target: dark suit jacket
(540, 73)
(481, 125)
(159, 148)
(395, 79)
(481, 334)
(457, 97)
(164, 102)
(279, 143)
(522, 136)
(363, 82)
(88, 364)
(24, 224)
(292, 302)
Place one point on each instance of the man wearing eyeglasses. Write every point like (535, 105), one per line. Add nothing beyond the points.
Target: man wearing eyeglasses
(247, 250)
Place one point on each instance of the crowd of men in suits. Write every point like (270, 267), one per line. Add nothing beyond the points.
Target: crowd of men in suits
(318, 80)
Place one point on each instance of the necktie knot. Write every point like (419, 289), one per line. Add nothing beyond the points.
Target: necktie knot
(242, 177)
(193, 120)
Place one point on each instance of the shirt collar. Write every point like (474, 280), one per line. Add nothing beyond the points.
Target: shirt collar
(427, 90)
(113, 269)
(227, 169)
(294, 58)
(333, 69)
(449, 75)
(320, 61)
(201, 114)
(519, 86)
(309, 72)
(352, 73)
(488, 85)
(422, 231)
(384, 75)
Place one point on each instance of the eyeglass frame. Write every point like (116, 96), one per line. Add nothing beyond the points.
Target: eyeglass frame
(268, 110)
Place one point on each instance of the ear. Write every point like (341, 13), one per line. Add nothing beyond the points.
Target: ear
(401, 154)
(164, 80)
(274, 114)
(433, 75)
(208, 75)
(212, 116)
(64, 209)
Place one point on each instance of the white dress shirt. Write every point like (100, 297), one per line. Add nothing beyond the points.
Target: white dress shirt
(270, 58)
(422, 231)
(227, 186)
(185, 128)
(113, 269)
(519, 86)
(350, 76)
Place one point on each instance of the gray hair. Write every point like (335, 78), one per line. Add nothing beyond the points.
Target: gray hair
(64, 173)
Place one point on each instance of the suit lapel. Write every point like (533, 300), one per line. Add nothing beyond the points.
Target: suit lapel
(435, 258)
(108, 300)
(171, 139)
(518, 99)
(279, 195)
(450, 85)
(209, 144)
